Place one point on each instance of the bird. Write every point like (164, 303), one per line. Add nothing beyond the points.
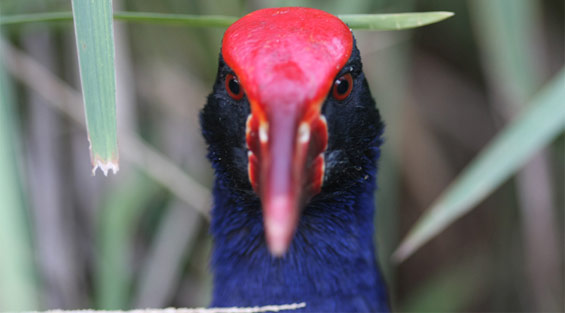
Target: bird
(293, 136)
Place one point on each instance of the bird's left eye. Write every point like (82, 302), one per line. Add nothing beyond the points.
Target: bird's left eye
(233, 87)
(342, 87)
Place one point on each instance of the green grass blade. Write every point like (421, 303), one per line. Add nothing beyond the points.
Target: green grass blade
(395, 21)
(17, 282)
(177, 19)
(139, 17)
(541, 122)
(95, 46)
(36, 18)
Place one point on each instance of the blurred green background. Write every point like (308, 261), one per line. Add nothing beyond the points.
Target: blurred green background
(69, 240)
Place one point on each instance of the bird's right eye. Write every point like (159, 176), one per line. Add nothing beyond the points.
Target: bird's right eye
(233, 87)
(342, 87)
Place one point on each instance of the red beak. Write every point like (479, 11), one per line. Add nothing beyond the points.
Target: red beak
(286, 169)
(286, 60)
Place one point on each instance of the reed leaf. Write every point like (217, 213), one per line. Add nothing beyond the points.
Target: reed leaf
(95, 46)
(542, 121)
(395, 21)
(17, 282)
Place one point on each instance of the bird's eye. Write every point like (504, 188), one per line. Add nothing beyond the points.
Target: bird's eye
(233, 87)
(342, 87)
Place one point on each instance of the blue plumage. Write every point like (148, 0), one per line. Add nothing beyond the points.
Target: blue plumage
(331, 263)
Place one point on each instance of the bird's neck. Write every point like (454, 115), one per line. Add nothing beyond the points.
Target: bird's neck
(331, 255)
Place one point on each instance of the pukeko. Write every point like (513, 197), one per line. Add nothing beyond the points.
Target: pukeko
(293, 137)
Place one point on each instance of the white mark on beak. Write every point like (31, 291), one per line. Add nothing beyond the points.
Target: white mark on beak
(264, 132)
(303, 133)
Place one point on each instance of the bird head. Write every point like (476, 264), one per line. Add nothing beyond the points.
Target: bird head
(279, 69)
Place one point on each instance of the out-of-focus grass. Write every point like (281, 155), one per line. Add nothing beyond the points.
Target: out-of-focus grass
(446, 293)
(506, 30)
(451, 289)
(18, 286)
(508, 34)
(385, 67)
(119, 216)
(176, 234)
(537, 126)
(58, 94)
